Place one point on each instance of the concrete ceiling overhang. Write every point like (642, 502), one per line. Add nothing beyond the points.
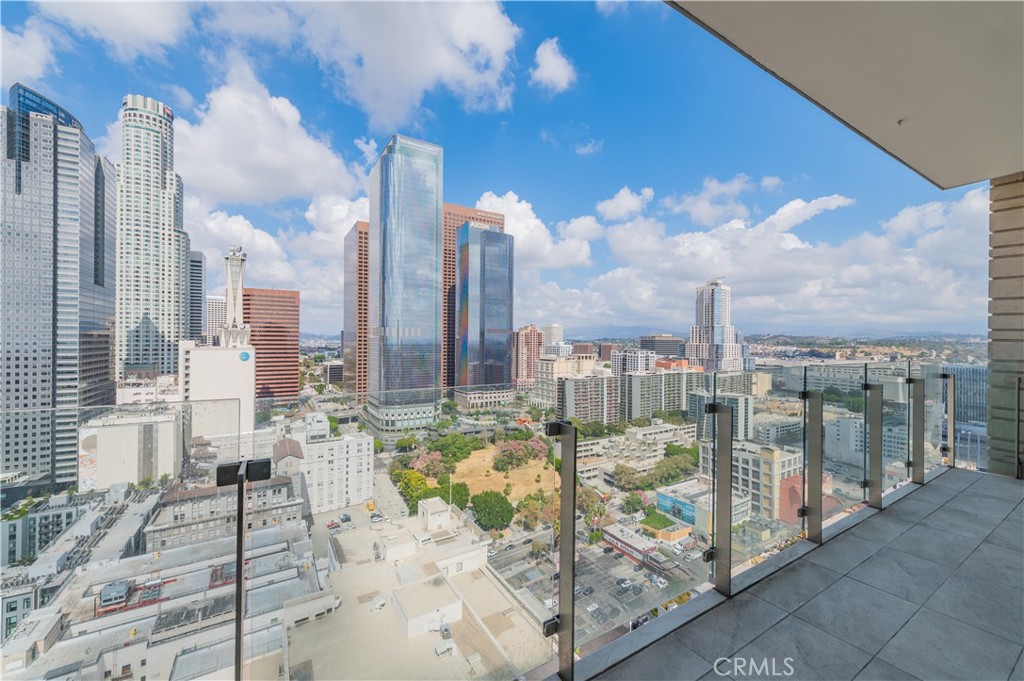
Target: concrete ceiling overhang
(937, 85)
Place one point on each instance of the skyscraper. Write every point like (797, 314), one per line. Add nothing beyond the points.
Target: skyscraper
(273, 319)
(713, 342)
(196, 294)
(405, 282)
(663, 344)
(216, 315)
(355, 341)
(152, 246)
(528, 344)
(454, 216)
(484, 303)
(57, 261)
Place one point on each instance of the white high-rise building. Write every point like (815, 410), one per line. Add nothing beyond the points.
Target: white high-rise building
(713, 342)
(56, 285)
(633, 362)
(196, 295)
(152, 246)
(216, 317)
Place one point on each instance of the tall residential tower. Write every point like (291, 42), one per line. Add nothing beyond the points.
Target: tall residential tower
(713, 343)
(355, 342)
(152, 246)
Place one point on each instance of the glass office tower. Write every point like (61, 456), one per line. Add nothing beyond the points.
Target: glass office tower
(484, 304)
(57, 295)
(404, 320)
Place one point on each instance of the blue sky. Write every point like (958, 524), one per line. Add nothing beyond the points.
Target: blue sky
(634, 155)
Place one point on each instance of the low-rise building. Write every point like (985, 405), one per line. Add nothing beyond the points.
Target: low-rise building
(691, 502)
(485, 397)
(129, 445)
(194, 513)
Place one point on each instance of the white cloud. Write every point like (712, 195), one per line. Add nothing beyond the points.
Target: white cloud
(585, 227)
(249, 146)
(27, 56)
(386, 60)
(548, 137)
(182, 98)
(625, 203)
(262, 21)
(129, 29)
(771, 182)
(552, 71)
(715, 203)
(368, 148)
(590, 147)
(609, 7)
(535, 247)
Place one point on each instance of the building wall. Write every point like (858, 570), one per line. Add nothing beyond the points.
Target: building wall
(338, 471)
(216, 316)
(127, 447)
(196, 295)
(550, 369)
(356, 341)
(273, 317)
(1006, 324)
(220, 385)
(528, 344)
(454, 216)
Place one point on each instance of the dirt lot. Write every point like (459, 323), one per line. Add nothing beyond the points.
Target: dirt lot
(472, 471)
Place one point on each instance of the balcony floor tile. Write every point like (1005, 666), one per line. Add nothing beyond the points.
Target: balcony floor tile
(661, 663)
(880, 528)
(815, 654)
(934, 646)
(843, 553)
(794, 586)
(982, 504)
(883, 671)
(964, 523)
(983, 604)
(902, 574)
(910, 510)
(1009, 535)
(937, 546)
(727, 628)
(868, 619)
(995, 563)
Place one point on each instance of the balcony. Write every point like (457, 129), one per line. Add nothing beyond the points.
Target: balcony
(929, 588)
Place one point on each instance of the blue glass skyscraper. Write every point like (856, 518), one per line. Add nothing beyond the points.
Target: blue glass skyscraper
(404, 316)
(484, 304)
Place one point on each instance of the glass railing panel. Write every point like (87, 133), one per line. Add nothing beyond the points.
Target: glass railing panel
(970, 431)
(767, 466)
(437, 542)
(120, 557)
(934, 411)
(892, 376)
(844, 448)
(644, 511)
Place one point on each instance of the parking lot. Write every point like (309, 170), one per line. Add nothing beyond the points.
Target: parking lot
(615, 604)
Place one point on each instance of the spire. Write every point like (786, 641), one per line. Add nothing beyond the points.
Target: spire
(234, 333)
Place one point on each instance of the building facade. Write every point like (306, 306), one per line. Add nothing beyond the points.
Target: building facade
(216, 317)
(661, 344)
(713, 342)
(971, 391)
(453, 216)
(152, 245)
(588, 398)
(484, 303)
(528, 344)
(633, 361)
(553, 333)
(355, 341)
(272, 316)
(551, 368)
(196, 295)
(57, 263)
(405, 287)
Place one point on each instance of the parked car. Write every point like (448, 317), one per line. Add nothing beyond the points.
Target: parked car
(509, 547)
(527, 542)
(345, 518)
(608, 549)
(592, 607)
(638, 568)
(620, 581)
(492, 552)
(627, 582)
(619, 555)
(589, 590)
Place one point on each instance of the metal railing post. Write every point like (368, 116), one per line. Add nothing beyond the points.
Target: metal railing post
(564, 623)
(722, 549)
(812, 509)
(238, 473)
(875, 474)
(916, 462)
(949, 449)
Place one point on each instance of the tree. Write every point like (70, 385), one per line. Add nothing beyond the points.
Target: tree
(539, 548)
(406, 444)
(146, 482)
(493, 511)
(378, 446)
(529, 509)
(633, 503)
(626, 477)
(508, 489)
(319, 358)
(460, 494)
(587, 499)
(165, 480)
(411, 485)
